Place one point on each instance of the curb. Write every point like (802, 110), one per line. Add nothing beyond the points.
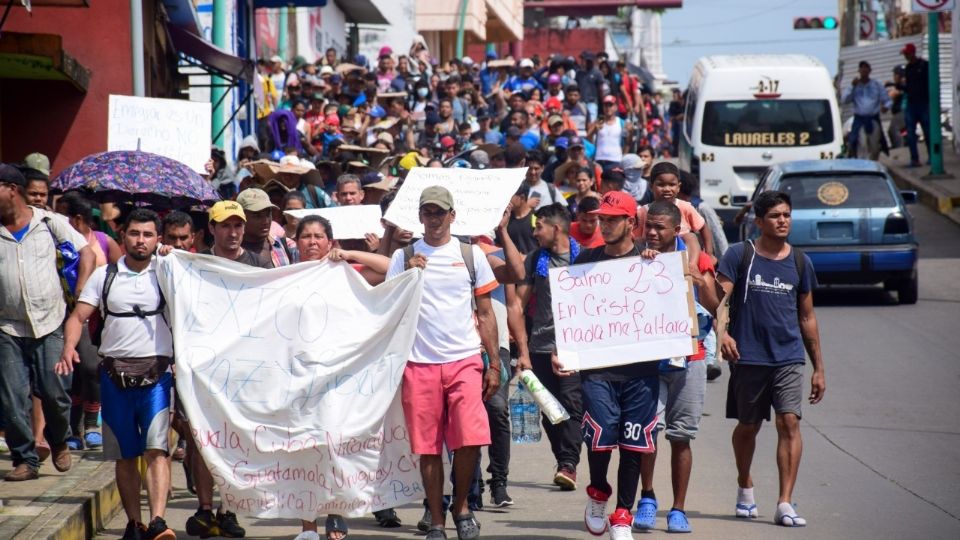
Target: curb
(929, 195)
(73, 510)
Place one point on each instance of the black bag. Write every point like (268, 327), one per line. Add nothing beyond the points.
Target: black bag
(129, 373)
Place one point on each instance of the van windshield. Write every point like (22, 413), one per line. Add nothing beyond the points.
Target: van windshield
(767, 122)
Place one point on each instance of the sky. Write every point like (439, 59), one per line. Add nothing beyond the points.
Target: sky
(707, 27)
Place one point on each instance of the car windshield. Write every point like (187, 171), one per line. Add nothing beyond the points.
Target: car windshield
(838, 191)
(767, 122)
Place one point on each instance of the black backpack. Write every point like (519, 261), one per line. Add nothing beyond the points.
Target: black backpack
(96, 336)
(739, 288)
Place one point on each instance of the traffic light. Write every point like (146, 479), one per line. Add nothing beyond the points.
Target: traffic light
(815, 23)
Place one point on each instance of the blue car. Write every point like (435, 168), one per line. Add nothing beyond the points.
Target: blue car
(850, 219)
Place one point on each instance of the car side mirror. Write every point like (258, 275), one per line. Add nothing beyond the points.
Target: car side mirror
(909, 196)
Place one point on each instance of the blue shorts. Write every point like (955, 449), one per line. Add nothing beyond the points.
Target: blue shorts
(134, 419)
(620, 414)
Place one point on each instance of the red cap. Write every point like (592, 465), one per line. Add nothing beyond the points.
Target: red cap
(617, 203)
(447, 141)
(332, 120)
(909, 48)
(609, 99)
(554, 104)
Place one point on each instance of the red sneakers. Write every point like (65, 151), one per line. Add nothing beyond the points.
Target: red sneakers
(620, 524)
(566, 478)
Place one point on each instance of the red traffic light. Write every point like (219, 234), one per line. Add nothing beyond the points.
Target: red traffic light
(815, 23)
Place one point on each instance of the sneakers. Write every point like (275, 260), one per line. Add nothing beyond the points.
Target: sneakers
(787, 516)
(566, 478)
(595, 514)
(62, 460)
(229, 526)
(713, 372)
(158, 530)
(22, 472)
(74, 443)
(203, 524)
(93, 439)
(3, 445)
(134, 531)
(646, 517)
(499, 497)
(620, 525)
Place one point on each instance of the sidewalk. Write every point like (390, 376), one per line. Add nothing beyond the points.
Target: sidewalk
(943, 195)
(59, 506)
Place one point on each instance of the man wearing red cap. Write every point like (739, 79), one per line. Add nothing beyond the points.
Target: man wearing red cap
(917, 87)
(619, 403)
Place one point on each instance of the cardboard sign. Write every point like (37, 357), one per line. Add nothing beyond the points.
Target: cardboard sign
(290, 379)
(623, 311)
(174, 128)
(348, 222)
(479, 197)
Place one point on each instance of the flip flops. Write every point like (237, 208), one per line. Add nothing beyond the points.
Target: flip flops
(677, 522)
(646, 516)
(786, 516)
(336, 523)
(746, 511)
(468, 528)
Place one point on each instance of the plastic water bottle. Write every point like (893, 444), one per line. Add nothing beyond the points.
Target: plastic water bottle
(524, 416)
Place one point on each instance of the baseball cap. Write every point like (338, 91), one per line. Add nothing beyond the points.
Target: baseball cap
(561, 142)
(609, 98)
(574, 142)
(385, 51)
(467, 61)
(332, 120)
(617, 203)
(555, 119)
(39, 162)
(411, 160)
(11, 175)
(553, 104)
(909, 48)
(631, 161)
(377, 111)
(223, 210)
(447, 141)
(437, 195)
(276, 59)
(526, 63)
(479, 159)
(326, 70)
(254, 200)
(553, 79)
(513, 131)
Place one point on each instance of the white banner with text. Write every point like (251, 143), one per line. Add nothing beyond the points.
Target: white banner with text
(173, 128)
(290, 380)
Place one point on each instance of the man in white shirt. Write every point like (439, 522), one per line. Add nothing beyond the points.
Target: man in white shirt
(541, 193)
(135, 377)
(444, 384)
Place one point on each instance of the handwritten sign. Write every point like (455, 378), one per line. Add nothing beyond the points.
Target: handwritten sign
(290, 379)
(175, 128)
(347, 222)
(622, 311)
(479, 197)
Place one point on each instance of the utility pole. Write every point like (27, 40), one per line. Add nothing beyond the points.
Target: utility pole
(936, 135)
(217, 88)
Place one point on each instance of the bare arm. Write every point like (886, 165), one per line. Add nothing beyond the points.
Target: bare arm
(113, 250)
(72, 328)
(517, 327)
(512, 271)
(811, 342)
(88, 261)
(487, 327)
(728, 346)
(707, 235)
(708, 293)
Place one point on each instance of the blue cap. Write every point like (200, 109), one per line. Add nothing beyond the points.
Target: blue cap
(377, 112)
(561, 142)
(360, 60)
(361, 100)
(432, 118)
(336, 79)
(491, 55)
(398, 84)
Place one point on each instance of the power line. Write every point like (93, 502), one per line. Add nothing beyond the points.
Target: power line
(737, 19)
(680, 45)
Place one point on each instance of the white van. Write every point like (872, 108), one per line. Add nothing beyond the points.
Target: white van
(746, 112)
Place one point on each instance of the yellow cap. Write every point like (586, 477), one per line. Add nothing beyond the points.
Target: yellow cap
(226, 209)
(411, 160)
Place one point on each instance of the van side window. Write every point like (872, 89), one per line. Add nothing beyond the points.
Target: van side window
(689, 115)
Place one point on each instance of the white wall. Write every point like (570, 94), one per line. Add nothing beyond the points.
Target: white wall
(398, 34)
(320, 28)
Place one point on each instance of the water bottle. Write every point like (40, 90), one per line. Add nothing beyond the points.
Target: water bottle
(524, 416)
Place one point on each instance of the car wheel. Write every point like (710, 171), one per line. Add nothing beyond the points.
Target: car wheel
(908, 290)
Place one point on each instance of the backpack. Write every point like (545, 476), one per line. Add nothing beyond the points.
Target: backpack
(96, 334)
(738, 297)
(466, 251)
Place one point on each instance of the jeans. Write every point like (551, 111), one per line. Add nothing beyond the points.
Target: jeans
(912, 115)
(565, 437)
(26, 368)
(498, 411)
(594, 110)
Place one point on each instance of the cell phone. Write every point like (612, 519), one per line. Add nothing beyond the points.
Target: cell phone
(534, 195)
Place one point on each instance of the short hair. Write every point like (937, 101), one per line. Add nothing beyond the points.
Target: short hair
(291, 195)
(348, 178)
(864, 63)
(571, 88)
(514, 155)
(586, 170)
(587, 205)
(143, 215)
(664, 208)
(664, 167)
(324, 222)
(535, 156)
(768, 199)
(687, 182)
(615, 178)
(556, 214)
(77, 205)
(177, 219)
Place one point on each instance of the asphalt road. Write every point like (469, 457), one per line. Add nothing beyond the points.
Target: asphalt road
(881, 452)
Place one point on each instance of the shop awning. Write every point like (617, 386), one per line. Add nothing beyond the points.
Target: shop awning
(361, 11)
(40, 57)
(182, 13)
(200, 52)
(257, 4)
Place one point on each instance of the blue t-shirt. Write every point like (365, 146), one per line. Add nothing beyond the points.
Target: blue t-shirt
(18, 235)
(767, 331)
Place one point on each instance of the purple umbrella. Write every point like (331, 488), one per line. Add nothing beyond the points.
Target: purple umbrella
(137, 176)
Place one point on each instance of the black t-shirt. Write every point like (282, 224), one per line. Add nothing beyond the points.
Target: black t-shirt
(247, 258)
(521, 232)
(918, 82)
(542, 338)
(625, 372)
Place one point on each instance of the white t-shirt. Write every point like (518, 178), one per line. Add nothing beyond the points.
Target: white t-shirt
(446, 331)
(130, 337)
(546, 199)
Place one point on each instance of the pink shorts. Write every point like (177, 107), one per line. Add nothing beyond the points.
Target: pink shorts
(444, 403)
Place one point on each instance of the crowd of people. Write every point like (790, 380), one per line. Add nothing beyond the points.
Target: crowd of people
(589, 134)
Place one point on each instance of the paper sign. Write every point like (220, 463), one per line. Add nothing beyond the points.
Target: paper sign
(348, 222)
(622, 311)
(290, 380)
(926, 6)
(479, 197)
(175, 128)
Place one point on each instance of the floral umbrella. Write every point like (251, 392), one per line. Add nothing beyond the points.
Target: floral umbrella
(139, 177)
